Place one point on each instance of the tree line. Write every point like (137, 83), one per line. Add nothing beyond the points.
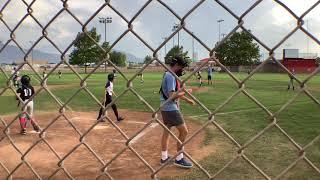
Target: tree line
(239, 49)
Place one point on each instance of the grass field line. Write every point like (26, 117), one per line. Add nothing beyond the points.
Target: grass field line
(55, 96)
(249, 109)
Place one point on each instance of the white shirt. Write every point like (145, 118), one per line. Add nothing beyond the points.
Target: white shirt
(109, 87)
(15, 72)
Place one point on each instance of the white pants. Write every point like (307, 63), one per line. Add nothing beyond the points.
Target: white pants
(28, 108)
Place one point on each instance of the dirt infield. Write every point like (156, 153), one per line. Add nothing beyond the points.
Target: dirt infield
(104, 139)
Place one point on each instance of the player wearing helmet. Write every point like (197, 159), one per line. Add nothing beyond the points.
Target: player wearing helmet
(26, 91)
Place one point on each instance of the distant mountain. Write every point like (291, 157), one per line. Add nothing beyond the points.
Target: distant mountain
(132, 58)
(13, 54)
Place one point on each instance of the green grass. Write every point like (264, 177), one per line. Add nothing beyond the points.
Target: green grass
(241, 118)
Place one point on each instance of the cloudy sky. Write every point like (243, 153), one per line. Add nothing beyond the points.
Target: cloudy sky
(268, 21)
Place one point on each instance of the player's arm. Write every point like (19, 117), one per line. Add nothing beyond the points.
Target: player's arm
(176, 95)
(188, 100)
(181, 95)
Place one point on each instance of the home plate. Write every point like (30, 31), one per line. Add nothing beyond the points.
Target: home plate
(34, 132)
(101, 127)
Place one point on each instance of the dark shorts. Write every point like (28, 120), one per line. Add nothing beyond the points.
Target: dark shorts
(108, 99)
(172, 118)
(209, 77)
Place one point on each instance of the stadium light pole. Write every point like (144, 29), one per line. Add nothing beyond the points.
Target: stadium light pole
(174, 28)
(307, 38)
(219, 24)
(165, 46)
(192, 47)
(31, 53)
(105, 21)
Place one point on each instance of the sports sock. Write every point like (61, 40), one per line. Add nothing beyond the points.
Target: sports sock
(179, 157)
(164, 155)
(23, 122)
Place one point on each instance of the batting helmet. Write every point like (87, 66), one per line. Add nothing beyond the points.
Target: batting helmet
(110, 77)
(25, 80)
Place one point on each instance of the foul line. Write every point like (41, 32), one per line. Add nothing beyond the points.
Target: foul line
(135, 139)
(130, 122)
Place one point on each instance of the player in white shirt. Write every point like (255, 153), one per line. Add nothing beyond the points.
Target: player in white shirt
(15, 78)
(108, 99)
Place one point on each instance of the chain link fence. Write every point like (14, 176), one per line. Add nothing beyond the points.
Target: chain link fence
(128, 146)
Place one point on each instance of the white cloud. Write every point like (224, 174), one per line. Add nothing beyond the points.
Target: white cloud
(269, 20)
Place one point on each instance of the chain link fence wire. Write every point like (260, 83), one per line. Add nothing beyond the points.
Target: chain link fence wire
(63, 106)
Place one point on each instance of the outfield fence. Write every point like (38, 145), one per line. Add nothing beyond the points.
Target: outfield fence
(241, 148)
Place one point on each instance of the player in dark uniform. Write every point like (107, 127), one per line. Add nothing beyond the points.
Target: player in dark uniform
(108, 99)
(60, 74)
(26, 91)
(141, 77)
(199, 77)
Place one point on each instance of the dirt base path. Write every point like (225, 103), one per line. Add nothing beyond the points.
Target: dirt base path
(104, 139)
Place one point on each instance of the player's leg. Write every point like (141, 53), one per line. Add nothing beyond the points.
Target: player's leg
(100, 112)
(164, 146)
(114, 108)
(34, 124)
(183, 132)
(23, 124)
(165, 137)
(180, 160)
(23, 121)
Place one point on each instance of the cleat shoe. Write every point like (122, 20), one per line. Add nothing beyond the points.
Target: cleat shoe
(37, 128)
(23, 131)
(183, 163)
(164, 161)
(120, 119)
(101, 120)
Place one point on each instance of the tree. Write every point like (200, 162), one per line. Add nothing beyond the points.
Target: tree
(118, 58)
(85, 50)
(147, 59)
(102, 54)
(176, 50)
(239, 49)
